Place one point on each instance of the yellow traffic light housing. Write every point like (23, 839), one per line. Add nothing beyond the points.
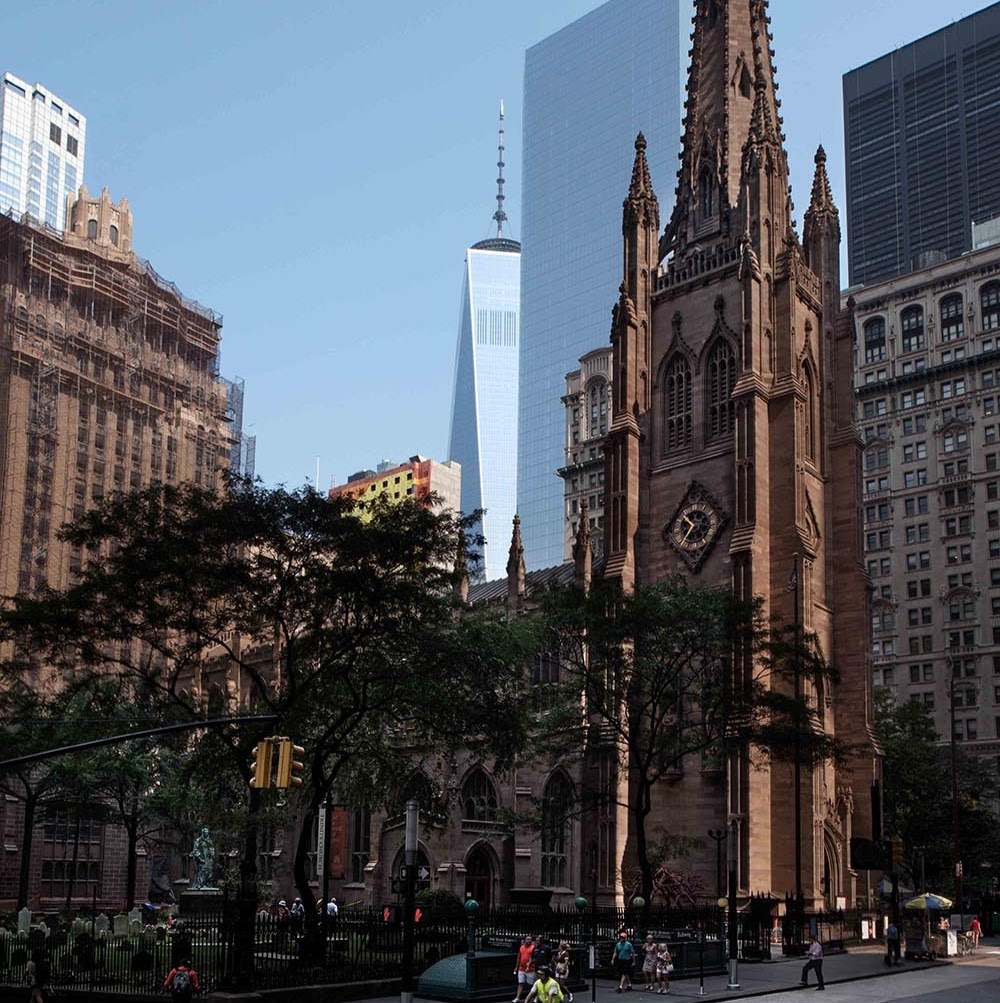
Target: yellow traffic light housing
(289, 767)
(261, 762)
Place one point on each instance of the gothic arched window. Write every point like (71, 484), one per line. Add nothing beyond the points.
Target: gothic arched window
(677, 406)
(92, 229)
(721, 377)
(557, 803)
(479, 797)
(809, 422)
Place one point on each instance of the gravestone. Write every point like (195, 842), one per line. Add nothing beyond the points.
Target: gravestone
(102, 925)
(24, 921)
(119, 924)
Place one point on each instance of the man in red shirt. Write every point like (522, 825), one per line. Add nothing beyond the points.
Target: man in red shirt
(525, 970)
(182, 981)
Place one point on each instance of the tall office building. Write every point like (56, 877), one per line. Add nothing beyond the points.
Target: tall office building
(484, 404)
(922, 149)
(928, 378)
(588, 89)
(42, 141)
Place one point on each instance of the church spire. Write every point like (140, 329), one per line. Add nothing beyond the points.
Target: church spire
(732, 111)
(516, 584)
(821, 202)
(500, 217)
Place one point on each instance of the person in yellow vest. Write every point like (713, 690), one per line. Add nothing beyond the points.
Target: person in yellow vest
(546, 988)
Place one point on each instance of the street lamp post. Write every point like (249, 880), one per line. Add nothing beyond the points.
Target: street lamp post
(640, 903)
(471, 908)
(593, 936)
(581, 907)
(409, 898)
(734, 937)
(718, 836)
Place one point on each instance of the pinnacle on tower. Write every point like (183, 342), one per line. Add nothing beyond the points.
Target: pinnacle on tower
(500, 217)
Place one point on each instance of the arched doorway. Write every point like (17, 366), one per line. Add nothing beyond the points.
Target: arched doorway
(479, 877)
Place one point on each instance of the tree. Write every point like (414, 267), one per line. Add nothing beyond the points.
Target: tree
(918, 796)
(659, 672)
(336, 616)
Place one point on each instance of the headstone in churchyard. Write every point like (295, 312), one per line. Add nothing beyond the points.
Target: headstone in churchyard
(24, 920)
(135, 915)
(102, 925)
(120, 924)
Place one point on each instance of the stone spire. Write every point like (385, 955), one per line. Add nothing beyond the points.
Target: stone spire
(822, 212)
(515, 566)
(582, 552)
(732, 107)
(640, 196)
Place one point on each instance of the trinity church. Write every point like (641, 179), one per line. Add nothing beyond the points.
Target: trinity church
(732, 458)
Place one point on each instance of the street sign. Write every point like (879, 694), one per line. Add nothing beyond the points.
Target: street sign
(423, 874)
(402, 872)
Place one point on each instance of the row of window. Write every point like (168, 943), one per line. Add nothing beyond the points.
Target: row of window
(951, 318)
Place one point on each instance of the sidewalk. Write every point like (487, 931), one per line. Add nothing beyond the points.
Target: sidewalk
(761, 978)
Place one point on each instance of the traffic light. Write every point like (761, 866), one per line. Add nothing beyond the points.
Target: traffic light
(260, 764)
(289, 768)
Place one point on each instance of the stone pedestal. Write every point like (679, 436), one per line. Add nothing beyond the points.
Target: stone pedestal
(196, 902)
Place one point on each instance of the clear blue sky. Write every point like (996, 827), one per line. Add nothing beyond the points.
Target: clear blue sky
(314, 171)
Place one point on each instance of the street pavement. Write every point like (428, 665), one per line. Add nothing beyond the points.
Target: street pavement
(858, 976)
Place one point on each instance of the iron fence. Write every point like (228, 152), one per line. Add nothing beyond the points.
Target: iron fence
(360, 945)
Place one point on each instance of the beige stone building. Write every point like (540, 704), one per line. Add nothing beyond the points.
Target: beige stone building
(588, 415)
(108, 381)
(927, 370)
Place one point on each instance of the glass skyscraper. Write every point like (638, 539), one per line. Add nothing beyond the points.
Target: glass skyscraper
(42, 143)
(923, 149)
(484, 408)
(588, 89)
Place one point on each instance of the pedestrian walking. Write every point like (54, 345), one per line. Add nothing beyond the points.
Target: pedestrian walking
(649, 964)
(523, 970)
(975, 930)
(664, 966)
(814, 962)
(892, 944)
(623, 958)
(546, 989)
(39, 973)
(560, 969)
(182, 982)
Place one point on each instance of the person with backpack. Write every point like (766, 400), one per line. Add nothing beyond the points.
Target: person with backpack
(182, 982)
(39, 973)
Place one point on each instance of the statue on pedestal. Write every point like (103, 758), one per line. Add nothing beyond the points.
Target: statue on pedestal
(203, 853)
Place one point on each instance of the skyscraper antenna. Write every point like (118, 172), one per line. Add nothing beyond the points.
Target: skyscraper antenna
(500, 216)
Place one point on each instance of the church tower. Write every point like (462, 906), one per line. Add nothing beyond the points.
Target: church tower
(732, 457)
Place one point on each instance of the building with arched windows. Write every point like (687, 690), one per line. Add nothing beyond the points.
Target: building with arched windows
(927, 370)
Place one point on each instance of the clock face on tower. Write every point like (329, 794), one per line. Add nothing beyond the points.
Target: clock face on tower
(695, 526)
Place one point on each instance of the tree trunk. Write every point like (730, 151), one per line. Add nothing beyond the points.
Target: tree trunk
(241, 921)
(27, 837)
(313, 946)
(131, 826)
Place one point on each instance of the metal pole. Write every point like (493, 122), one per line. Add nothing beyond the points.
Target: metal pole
(593, 936)
(701, 961)
(409, 898)
(955, 827)
(328, 809)
(718, 835)
(734, 938)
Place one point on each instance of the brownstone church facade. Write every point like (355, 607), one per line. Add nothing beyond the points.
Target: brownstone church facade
(731, 458)
(732, 455)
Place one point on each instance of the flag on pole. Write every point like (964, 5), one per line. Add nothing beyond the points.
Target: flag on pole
(793, 579)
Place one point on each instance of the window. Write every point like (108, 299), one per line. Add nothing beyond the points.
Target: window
(875, 339)
(877, 513)
(912, 398)
(989, 303)
(92, 229)
(876, 458)
(918, 587)
(957, 438)
(990, 434)
(916, 505)
(961, 609)
(881, 540)
(113, 233)
(952, 325)
(677, 405)
(72, 146)
(952, 388)
(914, 451)
(557, 803)
(479, 798)
(958, 525)
(954, 412)
(912, 321)
(918, 423)
(957, 496)
(721, 380)
(959, 554)
(951, 468)
(875, 408)
(989, 378)
(361, 842)
(55, 133)
(915, 478)
(918, 532)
